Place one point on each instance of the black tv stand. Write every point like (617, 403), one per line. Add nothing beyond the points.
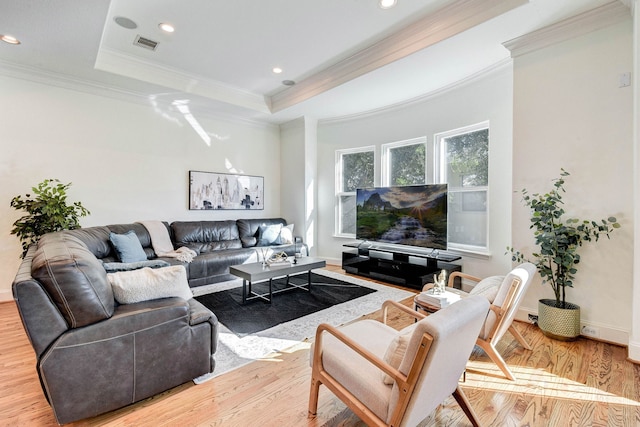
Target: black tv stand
(404, 266)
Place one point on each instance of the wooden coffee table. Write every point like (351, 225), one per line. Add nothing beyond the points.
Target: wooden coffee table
(256, 272)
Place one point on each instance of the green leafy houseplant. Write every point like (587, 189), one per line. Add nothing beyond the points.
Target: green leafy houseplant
(47, 211)
(559, 239)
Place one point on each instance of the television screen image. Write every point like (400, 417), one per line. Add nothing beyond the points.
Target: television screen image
(412, 215)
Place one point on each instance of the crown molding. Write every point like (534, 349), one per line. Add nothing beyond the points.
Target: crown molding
(63, 81)
(446, 22)
(125, 65)
(494, 69)
(631, 4)
(592, 20)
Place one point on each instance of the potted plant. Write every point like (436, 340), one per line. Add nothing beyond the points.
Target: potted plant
(558, 240)
(47, 211)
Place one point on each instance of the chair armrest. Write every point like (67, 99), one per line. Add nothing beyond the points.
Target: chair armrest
(455, 274)
(452, 277)
(370, 357)
(389, 303)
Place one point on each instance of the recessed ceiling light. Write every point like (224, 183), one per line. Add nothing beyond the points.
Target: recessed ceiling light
(386, 4)
(288, 82)
(277, 70)
(125, 22)
(167, 28)
(9, 39)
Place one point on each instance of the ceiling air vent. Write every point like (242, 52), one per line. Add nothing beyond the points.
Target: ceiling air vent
(144, 42)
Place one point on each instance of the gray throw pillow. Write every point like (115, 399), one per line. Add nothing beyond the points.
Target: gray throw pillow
(127, 247)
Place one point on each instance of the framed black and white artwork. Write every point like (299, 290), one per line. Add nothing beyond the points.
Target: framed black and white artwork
(219, 191)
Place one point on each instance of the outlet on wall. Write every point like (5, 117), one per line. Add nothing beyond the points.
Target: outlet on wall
(590, 331)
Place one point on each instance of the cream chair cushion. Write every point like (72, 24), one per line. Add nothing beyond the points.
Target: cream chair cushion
(524, 272)
(352, 371)
(395, 353)
(454, 330)
(488, 287)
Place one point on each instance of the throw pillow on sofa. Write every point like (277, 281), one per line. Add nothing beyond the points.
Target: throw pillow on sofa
(127, 247)
(269, 234)
(286, 235)
(148, 284)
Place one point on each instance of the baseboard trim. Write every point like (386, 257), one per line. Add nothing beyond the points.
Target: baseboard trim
(633, 352)
(334, 261)
(602, 332)
(6, 296)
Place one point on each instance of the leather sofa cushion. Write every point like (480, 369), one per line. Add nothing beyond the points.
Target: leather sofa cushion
(249, 229)
(206, 236)
(96, 239)
(74, 279)
(216, 263)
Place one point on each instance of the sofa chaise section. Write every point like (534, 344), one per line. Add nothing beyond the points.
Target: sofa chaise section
(93, 354)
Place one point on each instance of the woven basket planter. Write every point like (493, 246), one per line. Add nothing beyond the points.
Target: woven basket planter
(555, 321)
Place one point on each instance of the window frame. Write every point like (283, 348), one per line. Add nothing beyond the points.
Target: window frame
(339, 191)
(441, 177)
(385, 155)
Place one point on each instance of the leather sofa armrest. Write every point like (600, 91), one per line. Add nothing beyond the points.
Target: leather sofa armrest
(200, 314)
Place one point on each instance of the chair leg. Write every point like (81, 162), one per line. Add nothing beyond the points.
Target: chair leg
(462, 400)
(518, 336)
(313, 396)
(497, 359)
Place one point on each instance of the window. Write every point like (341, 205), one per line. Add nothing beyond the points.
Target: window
(355, 168)
(404, 163)
(459, 157)
(463, 163)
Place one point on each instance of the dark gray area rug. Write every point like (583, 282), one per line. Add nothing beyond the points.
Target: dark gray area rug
(258, 315)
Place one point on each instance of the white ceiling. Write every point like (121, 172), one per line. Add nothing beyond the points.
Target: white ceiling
(346, 56)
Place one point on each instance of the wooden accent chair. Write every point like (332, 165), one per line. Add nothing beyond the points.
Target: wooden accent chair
(397, 378)
(505, 295)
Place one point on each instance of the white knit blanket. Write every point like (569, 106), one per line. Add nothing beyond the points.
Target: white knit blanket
(161, 242)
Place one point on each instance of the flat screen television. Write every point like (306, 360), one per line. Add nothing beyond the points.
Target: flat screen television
(413, 215)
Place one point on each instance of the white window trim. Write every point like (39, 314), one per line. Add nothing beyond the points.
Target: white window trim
(440, 168)
(441, 177)
(338, 184)
(385, 156)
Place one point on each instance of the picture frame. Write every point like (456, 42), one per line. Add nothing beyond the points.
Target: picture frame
(223, 191)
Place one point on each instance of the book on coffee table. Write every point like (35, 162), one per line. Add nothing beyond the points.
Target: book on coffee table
(279, 264)
(439, 300)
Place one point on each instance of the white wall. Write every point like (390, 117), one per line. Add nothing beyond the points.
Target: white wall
(570, 113)
(298, 139)
(634, 340)
(485, 98)
(128, 161)
(293, 149)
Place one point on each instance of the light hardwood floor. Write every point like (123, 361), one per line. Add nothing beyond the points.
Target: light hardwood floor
(582, 383)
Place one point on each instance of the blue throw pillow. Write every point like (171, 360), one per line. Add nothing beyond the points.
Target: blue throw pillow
(128, 247)
(269, 234)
